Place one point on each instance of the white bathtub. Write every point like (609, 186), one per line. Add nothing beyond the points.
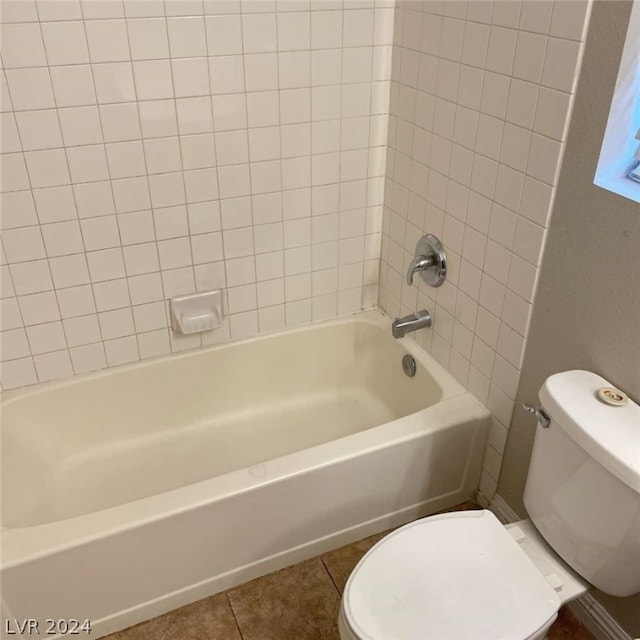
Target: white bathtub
(133, 491)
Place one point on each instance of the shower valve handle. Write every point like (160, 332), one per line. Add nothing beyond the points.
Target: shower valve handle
(419, 263)
(430, 261)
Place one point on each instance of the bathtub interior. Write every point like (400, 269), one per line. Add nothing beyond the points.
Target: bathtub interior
(118, 436)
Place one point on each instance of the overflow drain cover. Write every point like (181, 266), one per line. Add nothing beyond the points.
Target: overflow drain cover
(409, 365)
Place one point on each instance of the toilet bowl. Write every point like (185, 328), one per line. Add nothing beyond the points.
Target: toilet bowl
(465, 576)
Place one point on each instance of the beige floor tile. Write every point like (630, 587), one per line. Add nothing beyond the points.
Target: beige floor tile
(298, 603)
(341, 562)
(208, 619)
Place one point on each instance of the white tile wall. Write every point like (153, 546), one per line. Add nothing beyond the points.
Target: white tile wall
(480, 100)
(152, 148)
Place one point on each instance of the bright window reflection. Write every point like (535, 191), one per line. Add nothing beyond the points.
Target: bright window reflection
(618, 168)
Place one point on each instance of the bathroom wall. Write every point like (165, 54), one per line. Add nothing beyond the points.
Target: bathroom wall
(587, 310)
(480, 98)
(158, 147)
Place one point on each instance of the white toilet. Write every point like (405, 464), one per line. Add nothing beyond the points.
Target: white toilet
(464, 576)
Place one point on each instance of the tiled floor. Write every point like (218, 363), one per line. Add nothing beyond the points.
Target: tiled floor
(297, 603)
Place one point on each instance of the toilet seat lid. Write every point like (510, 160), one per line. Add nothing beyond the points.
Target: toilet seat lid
(455, 576)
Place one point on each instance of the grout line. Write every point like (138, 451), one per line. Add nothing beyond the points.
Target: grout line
(146, 177)
(47, 258)
(250, 195)
(314, 10)
(116, 220)
(174, 100)
(321, 558)
(233, 613)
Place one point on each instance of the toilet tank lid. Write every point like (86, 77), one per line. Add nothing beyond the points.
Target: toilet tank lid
(610, 434)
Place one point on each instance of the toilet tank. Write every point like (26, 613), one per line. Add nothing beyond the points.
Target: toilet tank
(583, 486)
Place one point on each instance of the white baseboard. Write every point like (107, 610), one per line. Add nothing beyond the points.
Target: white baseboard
(597, 619)
(586, 608)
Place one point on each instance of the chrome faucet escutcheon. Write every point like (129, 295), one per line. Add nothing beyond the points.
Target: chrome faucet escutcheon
(430, 261)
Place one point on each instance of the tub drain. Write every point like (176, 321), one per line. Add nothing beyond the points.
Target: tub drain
(409, 365)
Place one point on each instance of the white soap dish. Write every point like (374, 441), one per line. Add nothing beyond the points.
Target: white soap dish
(196, 312)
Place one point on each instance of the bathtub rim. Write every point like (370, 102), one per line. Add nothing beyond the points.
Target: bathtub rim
(375, 317)
(23, 544)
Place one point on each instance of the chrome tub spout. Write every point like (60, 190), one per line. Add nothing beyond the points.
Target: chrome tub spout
(418, 320)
